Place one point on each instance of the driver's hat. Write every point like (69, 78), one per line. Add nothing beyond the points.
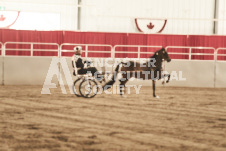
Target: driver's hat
(78, 49)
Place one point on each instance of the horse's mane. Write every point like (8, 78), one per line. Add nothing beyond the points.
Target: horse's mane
(154, 56)
(158, 62)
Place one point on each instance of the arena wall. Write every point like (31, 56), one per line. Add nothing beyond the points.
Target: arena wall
(26, 70)
(197, 73)
(34, 70)
(116, 16)
(184, 73)
(1, 70)
(220, 74)
(187, 74)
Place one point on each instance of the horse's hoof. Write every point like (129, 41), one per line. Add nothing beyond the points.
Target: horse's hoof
(167, 81)
(157, 97)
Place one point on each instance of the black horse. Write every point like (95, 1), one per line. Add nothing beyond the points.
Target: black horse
(152, 69)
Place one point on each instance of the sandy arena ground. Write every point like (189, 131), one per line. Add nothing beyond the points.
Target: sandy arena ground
(182, 119)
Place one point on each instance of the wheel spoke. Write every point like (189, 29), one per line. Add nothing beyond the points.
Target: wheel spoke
(88, 88)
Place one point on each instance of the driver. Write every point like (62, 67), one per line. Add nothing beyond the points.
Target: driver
(78, 63)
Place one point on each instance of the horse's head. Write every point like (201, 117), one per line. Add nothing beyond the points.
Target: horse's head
(162, 53)
(159, 56)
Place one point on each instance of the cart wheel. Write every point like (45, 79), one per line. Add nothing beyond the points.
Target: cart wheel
(75, 87)
(88, 88)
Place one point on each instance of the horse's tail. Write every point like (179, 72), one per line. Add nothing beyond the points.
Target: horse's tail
(110, 83)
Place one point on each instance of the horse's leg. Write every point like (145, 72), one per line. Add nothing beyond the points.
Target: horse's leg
(153, 87)
(122, 86)
(168, 75)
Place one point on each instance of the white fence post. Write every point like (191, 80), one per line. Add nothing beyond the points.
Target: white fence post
(32, 49)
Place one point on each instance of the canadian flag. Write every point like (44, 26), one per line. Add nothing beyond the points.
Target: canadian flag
(2, 18)
(8, 18)
(148, 25)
